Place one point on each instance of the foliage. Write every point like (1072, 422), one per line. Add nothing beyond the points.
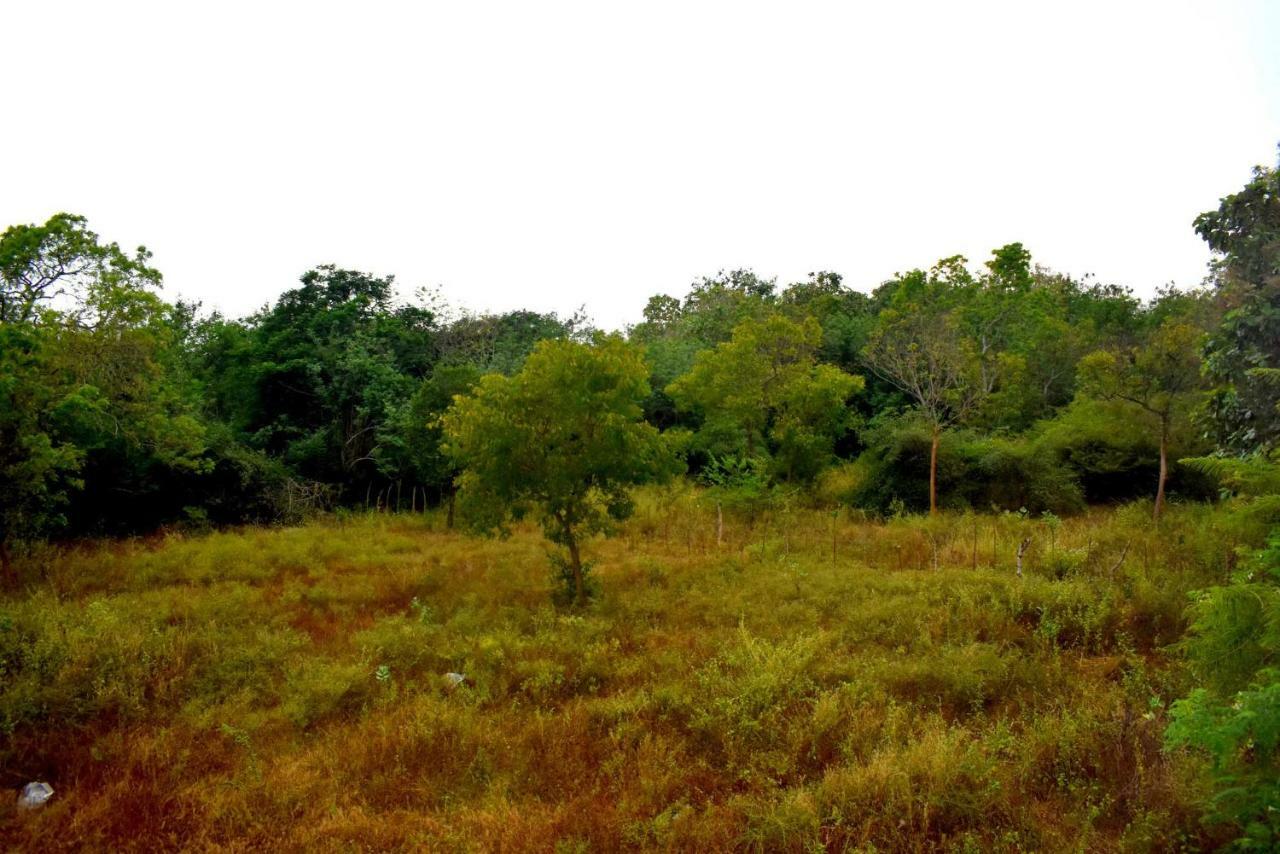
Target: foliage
(415, 446)
(1254, 475)
(1235, 717)
(37, 466)
(90, 394)
(1243, 353)
(741, 484)
(763, 392)
(62, 267)
(320, 376)
(973, 471)
(1161, 377)
(563, 438)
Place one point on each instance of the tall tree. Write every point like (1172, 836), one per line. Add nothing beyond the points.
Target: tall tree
(62, 265)
(93, 404)
(920, 347)
(38, 464)
(1243, 353)
(318, 378)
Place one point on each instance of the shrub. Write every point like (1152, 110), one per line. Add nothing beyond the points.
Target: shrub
(986, 473)
(744, 694)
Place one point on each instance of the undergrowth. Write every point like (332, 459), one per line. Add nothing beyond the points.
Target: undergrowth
(814, 681)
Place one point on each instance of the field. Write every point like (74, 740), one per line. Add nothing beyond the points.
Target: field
(814, 680)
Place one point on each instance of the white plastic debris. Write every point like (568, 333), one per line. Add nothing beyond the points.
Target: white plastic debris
(34, 795)
(455, 679)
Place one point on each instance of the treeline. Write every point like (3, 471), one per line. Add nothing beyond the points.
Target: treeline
(1002, 385)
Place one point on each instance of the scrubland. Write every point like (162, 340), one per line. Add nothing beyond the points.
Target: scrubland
(815, 680)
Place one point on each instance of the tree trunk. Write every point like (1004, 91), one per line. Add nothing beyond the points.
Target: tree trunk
(448, 517)
(1164, 469)
(719, 525)
(833, 539)
(933, 471)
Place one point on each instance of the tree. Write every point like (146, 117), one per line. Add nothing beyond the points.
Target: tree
(38, 467)
(92, 401)
(1243, 353)
(844, 314)
(418, 449)
(62, 265)
(563, 439)
(919, 347)
(318, 378)
(763, 390)
(499, 343)
(1160, 377)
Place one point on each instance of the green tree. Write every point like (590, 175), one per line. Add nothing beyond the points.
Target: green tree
(563, 439)
(499, 343)
(1161, 378)
(318, 378)
(63, 266)
(763, 391)
(38, 466)
(93, 403)
(418, 447)
(1243, 354)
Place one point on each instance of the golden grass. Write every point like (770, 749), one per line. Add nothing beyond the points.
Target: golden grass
(815, 682)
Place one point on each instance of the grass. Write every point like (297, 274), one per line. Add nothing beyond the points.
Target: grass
(817, 681)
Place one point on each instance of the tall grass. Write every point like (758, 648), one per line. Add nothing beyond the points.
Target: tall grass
(817, 680)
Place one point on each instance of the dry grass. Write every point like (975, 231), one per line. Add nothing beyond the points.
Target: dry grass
(814, 682)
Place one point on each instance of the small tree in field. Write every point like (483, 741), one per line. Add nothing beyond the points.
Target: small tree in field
(563, 439)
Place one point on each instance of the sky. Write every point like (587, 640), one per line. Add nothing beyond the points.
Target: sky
(554, 155)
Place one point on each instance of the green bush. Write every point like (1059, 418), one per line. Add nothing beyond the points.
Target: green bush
(973, 471)
(1115, 456)
(1235, 718)
(743, 695)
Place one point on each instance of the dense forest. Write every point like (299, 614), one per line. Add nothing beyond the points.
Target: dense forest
(1002, 385)
(995, 389)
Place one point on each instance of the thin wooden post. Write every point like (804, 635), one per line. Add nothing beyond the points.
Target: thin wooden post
(833, 537)
(1022, 549)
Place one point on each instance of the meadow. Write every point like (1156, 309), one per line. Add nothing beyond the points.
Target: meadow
(802, 681)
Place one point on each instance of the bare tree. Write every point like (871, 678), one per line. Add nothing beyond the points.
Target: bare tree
(924, 354)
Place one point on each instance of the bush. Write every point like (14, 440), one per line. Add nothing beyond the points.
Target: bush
(973, 471)
(743, 695)
(1235, 719)
(1115, 457)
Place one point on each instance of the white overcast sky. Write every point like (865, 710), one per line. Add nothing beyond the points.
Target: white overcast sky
(548, 155)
